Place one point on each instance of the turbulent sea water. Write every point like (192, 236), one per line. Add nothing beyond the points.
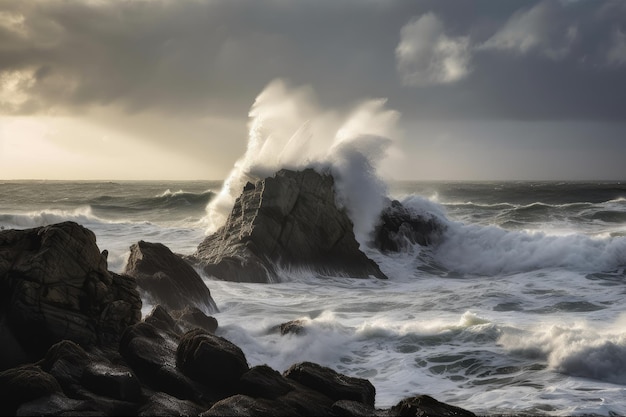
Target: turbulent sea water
(517, 309)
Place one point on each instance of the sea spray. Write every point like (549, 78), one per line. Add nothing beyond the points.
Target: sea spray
(288, 129)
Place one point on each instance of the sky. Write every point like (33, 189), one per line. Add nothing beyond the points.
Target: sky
(162, 89)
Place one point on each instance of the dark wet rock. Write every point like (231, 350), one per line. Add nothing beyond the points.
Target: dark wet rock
(426, 406)
(192, 317)
(243, 405)
(114, 381)
(161, 404)
(308, 402)
(23, 384)
(399, 227)
(54, 285)
(265, 382)
(355, 409)
(167, 278)
(291, 220)
(151, 354)
(332, 384)
(292, 327)
(66, 361)
(160, 318)
(55, 404)
(211, 360)
(106, 405)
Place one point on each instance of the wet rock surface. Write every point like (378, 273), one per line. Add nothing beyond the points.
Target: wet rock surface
(291, 220)
(167, 278)
(106, 361)
(54, 285)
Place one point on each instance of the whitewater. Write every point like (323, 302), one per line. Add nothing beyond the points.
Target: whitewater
(516, 308)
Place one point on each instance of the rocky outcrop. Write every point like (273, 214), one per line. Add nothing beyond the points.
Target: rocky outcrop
(400, 227)
(167, 279)
(54, 285)
(118, 365)
(159, 371)
(290, 220)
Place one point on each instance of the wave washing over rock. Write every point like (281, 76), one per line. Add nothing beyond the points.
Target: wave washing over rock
(288, 220)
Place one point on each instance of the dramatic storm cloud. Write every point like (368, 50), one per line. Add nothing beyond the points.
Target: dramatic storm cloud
(179, 77)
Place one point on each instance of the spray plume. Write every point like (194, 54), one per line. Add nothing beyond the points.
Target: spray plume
(287, 129)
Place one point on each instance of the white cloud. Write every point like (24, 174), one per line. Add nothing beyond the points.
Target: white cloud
(616, 55)
(427, 56)
(539, 29)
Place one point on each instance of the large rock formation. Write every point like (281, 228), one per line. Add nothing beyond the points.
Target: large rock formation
(168, 279)
(290, 220)
(54, 285)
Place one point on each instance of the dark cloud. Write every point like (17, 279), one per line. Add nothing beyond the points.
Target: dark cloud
(522, 60)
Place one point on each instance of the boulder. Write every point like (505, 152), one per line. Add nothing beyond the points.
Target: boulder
(161, 404)
(427, 406)
(151, 353)
(242, 405)
(348, 408)
(167, 279)
(288, 220)
(56, 404)
(263, 381)
(191, 317)
(113, 381)
(54, 285)
(23, 384)
(399, 227)
(332, 384)
(211, 360)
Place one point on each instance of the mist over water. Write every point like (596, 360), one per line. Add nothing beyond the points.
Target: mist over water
(288, 129)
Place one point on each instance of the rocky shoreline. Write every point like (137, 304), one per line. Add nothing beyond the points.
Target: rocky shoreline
(74, 341)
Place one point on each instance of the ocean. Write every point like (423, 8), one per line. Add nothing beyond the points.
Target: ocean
(517, 309)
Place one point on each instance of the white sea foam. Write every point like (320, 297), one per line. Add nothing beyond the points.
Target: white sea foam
(490, 250)
(287, 129)
(581, 349)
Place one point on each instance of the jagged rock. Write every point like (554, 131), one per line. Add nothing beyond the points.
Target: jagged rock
(332, 384)
(66, 361)
(114, 381)
(308, 402)
(211, 360)
(151, 353)
(399, 227)
(161, 319)
(242, 405)
(263, 381)
(191, 317)
(23, 384)
(161, 404)
(426, 406)
(290, 220)
(55, 404)
(292, 327)
(54, 285)
(348, 408)
(167, 278)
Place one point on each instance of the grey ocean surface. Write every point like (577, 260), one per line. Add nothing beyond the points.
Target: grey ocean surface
(518, 308)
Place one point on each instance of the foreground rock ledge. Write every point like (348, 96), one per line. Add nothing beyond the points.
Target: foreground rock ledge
(291, 220)
(54, 285)
(106, 362)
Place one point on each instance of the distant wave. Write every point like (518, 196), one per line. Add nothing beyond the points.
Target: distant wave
(82, 215)
(165, 200)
